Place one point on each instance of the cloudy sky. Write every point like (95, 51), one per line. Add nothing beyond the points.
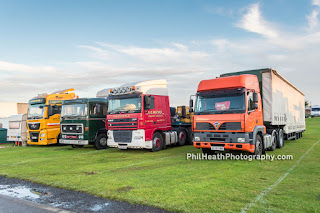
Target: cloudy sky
(92, 45)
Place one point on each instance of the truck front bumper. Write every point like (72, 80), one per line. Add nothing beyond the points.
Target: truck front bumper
(229, 146)
(39, 138)
(228, 140)
(74, 142)
(137, 140)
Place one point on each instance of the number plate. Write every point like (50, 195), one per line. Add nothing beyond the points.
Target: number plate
(123, 147)
(34, 137)
(218, 148)
(13, 136)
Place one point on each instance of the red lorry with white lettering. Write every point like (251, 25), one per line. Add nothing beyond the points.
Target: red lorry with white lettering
(139, 117)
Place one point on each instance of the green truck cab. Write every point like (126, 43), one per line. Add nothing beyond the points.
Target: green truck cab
(83, 122)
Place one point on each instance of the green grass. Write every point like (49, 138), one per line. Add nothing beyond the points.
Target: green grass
(167, 180)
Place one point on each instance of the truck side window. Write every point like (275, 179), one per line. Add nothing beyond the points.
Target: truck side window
(104, 109)
(96, 109)
(250, 101)
(152, 103)
(56, 109)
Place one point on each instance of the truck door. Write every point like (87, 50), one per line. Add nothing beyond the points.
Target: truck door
(252, 119)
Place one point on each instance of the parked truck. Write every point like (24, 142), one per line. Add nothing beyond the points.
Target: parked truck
(252, 111)
(83, 122)
(43, 119)
(139, 117)
(17, 131)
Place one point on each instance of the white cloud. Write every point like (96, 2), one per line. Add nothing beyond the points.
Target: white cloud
(293, 54)
(8, 66)
(253, 21)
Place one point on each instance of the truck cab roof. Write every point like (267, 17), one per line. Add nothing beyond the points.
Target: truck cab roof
(230, 82)
(85, 100)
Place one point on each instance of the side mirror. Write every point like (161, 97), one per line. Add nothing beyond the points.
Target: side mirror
(255, 97)
(191, 103)
(49, 113)
(147, 102)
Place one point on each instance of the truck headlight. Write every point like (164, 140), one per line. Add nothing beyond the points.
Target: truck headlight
(41, 139)
(241, 140)
(80, 137)
(197, 138)
(43, 134)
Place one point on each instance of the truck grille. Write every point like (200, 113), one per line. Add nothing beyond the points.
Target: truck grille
(72, 128)
(34, 136)
(34, 126)
(125, 123)
(122, 136)
(204, 126)
(230, 126)
(222, 127)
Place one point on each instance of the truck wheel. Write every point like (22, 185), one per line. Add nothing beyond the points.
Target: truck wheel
(280, 143)
(190, 141)
(77, 146)
(182, 137)
(258, 146)
(101, 142)
(274, 141)
(208, 151)
(157, 142)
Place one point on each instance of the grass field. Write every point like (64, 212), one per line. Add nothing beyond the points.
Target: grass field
(167, 180)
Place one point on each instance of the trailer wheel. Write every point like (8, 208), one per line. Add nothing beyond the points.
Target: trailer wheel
(208, 151)
(182, 137)
(157, 142)
(274, 140)
(101, 142)
(77, 146)
(280, 142)
(258, 146)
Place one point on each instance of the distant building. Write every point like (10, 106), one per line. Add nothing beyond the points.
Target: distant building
(7, 109)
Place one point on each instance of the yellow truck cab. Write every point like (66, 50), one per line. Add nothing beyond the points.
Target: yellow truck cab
(43, 119)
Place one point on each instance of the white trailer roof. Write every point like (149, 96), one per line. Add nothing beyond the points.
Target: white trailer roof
(18, 117)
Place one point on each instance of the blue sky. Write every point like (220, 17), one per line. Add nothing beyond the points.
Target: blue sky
(91, 45)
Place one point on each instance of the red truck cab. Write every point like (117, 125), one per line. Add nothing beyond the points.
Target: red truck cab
(139, 117)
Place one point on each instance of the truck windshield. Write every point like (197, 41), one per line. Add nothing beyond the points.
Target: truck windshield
(74, 110)
(211, 103)
(316, 109)
(124, 105)
(36, 111)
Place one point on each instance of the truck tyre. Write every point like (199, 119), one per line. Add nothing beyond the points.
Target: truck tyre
(77, 146)
(190, 140)
(258, 146)
(182, 137)
(274, 140)
(280, 143)
(101, 142)
(208, 151)
(157, 142)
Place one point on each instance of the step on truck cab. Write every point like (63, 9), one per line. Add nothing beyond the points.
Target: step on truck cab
(252, 111)
(43, 119)
(17, 131)
(139, 117)
(83, 122)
